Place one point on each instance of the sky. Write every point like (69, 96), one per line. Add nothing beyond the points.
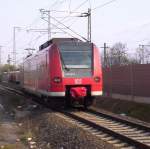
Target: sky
(126, 21)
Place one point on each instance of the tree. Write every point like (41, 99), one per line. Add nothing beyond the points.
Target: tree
(143, 55)
(7, 67)
(117, 55)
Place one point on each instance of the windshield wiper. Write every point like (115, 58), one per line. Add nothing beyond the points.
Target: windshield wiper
(64, 65)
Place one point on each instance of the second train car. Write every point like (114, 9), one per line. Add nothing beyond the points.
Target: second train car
(67, 68)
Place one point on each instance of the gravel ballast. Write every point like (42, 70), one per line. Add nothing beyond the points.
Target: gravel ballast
(54, 132)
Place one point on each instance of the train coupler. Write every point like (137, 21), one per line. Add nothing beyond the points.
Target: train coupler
(78, 92)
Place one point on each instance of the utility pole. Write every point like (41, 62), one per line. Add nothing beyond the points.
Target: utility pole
(14, 44)
(89, 25)
(48, 20)
(9, 59)
(105, 54)
(15, 28)
(88, 14)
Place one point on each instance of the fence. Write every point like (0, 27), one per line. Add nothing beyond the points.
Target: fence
(132, 80)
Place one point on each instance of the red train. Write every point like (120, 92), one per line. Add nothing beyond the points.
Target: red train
(11, 76)
(64, 67)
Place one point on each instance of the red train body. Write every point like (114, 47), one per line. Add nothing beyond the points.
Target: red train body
(64, 67)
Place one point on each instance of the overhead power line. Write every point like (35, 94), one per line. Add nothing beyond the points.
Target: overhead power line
(62, 30)
(81, 5)
(103, 5)
(69, 28)
(24, 28)
(47, 12)
(54, 10)
(74, 10)
(55, 3)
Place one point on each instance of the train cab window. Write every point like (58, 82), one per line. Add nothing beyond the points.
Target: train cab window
(76, 55)
(76, 58)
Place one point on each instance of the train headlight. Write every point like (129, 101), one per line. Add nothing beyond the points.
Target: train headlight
(97, 79)
(57, 79)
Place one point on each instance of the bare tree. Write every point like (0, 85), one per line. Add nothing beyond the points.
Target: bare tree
(143, 55)
(117, 55)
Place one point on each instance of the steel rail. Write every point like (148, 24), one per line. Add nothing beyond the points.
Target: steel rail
(119, 119)
(108, 131)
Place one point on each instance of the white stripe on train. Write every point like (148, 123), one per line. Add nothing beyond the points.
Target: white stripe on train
(57, 94)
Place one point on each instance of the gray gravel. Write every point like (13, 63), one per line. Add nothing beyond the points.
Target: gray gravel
(53, 132)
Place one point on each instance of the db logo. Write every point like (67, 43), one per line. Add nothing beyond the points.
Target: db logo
(78, 81)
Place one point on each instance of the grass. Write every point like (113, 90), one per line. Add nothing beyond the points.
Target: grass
(138, 110)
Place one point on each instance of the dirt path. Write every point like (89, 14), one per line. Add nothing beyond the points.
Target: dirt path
(10, 131)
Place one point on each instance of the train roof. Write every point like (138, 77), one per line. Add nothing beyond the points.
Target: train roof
(58, 40)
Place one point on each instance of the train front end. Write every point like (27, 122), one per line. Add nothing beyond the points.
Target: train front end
(78, 77)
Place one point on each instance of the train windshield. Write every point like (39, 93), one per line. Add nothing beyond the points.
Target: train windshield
(76, 55)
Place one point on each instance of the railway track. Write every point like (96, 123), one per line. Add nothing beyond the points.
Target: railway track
(12, 90)
(117, 131)
(123, 134)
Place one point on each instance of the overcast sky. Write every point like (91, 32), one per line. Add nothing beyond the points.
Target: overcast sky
(127, 21)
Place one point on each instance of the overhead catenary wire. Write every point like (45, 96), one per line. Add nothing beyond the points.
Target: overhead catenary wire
(30, 42)
(59, 22)
(56, 1)
(65, 11)
(52, 5)
(103, 5)
(72, 23)
(84, 2)
(74, 10)
(62, 30)
(69, 19)
(69, 28)
(32, 23)
(38, 37)
(22, 28)
(29, 26)
(100, 6)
